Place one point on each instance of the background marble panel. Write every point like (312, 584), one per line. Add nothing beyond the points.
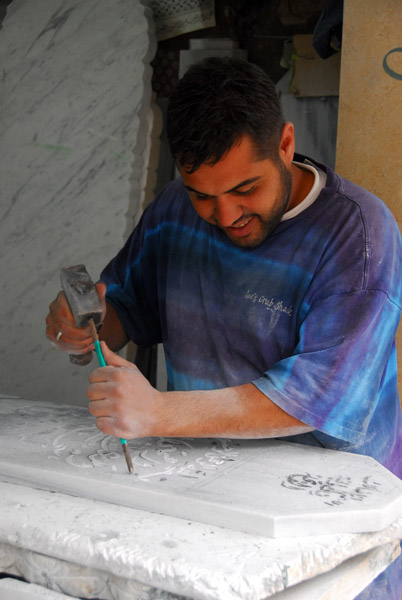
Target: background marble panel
(75, 120)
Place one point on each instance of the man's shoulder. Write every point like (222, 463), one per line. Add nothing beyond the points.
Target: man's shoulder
(339, 186)
(376, 219)
(171, 203)
(171, 194)
(357, 196)
(361, 196)
(369, 231)
(341, 198)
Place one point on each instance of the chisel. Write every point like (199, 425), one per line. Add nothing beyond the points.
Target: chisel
(81, 295)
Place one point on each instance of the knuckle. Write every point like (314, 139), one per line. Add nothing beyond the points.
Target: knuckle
(122, 426)
(117, 404)
(102, 425)
(120, 379)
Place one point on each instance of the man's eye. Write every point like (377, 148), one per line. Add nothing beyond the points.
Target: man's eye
(201, 197)
(245, 192)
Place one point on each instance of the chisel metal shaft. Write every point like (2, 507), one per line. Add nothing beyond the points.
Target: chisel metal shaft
(102, 363)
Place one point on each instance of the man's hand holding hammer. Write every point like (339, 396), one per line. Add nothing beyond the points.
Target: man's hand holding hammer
(61, 328)
(64, 334)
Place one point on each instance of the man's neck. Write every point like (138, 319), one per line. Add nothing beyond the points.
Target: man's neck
(302, 182)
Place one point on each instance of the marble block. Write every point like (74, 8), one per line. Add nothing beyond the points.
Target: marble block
(91, 549)
(348, 580)
(13, 589)
(75, 121)
(266, 487)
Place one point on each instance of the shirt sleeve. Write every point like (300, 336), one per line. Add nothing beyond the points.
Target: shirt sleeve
(334, 378)
(131, 279)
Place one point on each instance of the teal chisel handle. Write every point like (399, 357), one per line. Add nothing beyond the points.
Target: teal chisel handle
(123, 442)
(98, 350)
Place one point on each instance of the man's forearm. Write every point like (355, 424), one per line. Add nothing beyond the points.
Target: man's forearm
(237, 412)
(112, 331)
(126, 405)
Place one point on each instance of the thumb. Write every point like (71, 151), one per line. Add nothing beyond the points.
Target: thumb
(112, 359)
(101, 291)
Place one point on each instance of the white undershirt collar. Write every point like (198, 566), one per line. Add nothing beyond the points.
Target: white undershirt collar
(320, 180)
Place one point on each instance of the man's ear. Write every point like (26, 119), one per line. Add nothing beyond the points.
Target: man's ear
(287, 144)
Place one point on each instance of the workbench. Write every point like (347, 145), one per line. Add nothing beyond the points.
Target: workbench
(62, 544)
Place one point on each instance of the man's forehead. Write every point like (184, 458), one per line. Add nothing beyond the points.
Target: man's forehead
(237, 168)
(238, 186)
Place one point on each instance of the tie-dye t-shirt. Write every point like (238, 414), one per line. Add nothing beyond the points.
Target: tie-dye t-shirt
(309, 316)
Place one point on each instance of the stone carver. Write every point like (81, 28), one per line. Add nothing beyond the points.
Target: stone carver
(273, 283)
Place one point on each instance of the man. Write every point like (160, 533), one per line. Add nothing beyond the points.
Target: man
(273, 284)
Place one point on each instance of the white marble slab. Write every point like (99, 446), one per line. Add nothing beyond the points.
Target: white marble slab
(75, 120)
(267, 487)
(13, 589)
(348, 580)
(90, 549)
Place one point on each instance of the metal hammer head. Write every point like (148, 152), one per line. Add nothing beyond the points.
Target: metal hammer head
(83, 299)
(81, 295)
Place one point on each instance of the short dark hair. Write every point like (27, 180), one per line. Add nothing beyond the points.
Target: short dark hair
(216, 102)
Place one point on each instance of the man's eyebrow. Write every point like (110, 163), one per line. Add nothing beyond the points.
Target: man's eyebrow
(236, 187)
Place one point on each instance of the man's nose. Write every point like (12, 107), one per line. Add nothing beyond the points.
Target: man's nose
(227, 212)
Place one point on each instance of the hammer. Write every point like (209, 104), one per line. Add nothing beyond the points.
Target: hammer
(83, 299)
(81, 295)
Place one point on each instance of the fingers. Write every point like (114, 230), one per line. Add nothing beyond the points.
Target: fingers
(68, 343)
(116, 397)
(114, 359)
(115, 370)
(107, 418)
(108, 426)
(109, 409)
(61, 338)
(62, 331)
(101, 291)
(102, 375)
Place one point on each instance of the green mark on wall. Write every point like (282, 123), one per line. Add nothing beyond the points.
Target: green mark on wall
(119, 157)
(52, 147)
(60, 149)
(387, 68)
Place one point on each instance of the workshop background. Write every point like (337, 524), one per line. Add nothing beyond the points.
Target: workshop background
(83, 95)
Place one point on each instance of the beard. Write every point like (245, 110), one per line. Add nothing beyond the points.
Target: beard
(268, 223)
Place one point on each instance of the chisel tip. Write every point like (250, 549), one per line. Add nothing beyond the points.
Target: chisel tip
(127, 457)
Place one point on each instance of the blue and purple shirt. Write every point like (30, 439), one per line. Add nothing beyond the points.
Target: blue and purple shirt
(309, 316)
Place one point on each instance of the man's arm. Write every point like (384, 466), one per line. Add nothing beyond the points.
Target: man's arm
(112, 331)
(126, 405)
